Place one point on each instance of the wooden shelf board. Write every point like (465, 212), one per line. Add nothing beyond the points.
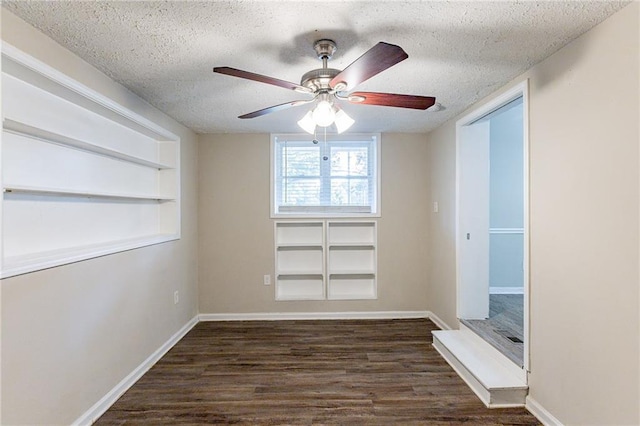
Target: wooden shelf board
(22, 129)
(357, 246)
(20, 189)
(352, 297)
(17, 265)
(300, 274)
(352, 272)
(301, 246)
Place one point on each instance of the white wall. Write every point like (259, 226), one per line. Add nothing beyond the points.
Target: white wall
(236, 233)
(584, 218)
(71, 333)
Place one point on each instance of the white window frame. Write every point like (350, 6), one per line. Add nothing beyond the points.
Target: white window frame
(315, 212)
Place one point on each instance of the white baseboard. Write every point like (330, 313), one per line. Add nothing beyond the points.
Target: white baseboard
(506, 290)
(280, 316)
(545, 417)
(100, 407)
(438, 321)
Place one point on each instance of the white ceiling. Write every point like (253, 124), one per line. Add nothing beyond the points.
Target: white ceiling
(163, 51)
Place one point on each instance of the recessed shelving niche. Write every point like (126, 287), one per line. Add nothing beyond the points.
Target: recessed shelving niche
(318, 260)
(81, 175)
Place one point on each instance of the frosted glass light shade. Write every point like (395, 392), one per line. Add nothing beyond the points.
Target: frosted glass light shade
(343, 121)
(307, 124)
(324, 114)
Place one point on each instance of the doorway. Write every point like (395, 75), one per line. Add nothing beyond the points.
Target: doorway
(492, 224)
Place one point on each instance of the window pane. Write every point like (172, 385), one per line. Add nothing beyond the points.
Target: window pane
(301, 161)
(301, 192)
(352, 192)
(346, 161)
(339, 192)
(359, 192)
(334, 176)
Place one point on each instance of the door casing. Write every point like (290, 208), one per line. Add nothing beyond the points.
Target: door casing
(519, 90)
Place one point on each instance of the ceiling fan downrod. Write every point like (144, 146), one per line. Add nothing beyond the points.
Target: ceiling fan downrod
(318, 80)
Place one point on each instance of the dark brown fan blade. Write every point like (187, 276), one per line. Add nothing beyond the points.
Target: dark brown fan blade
(373, 61)
(261, 78)
(392, 99)
(274, 108)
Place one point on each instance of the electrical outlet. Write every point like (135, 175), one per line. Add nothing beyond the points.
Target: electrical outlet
(266, 280)
(176, 297)
(435, 207)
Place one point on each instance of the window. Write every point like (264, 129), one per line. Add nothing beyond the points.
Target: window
(336, 177)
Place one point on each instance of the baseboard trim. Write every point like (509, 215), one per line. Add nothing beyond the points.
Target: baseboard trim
(438, 321)
(506, 290)
(100, 407)
(545, 417)
(281, 316)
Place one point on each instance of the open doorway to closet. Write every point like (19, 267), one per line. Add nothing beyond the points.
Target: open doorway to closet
(492, 244)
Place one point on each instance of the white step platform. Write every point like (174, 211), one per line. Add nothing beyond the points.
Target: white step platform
(496, 380)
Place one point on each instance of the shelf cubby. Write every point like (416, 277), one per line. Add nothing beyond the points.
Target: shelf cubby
(351, 260)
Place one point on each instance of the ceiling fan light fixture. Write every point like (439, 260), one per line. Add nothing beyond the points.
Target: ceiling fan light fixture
(324, 114)
(343, 121)
(307, 123)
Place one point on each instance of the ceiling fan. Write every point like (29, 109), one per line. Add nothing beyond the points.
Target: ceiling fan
(328, 86)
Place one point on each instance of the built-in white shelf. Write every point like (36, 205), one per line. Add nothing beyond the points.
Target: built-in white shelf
(17, 265)
(81, 176)
(328, 259)
(299, 260)
(18, 189)
(351, 260)
(23, 129)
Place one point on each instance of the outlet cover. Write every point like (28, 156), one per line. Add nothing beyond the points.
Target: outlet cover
(266, 280)
(176, 297)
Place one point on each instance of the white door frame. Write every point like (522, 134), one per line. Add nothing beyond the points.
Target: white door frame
(521, 89)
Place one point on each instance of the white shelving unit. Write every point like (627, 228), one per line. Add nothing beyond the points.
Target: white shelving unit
(352, 260)
(299, 260)
(81, 175)
(318, 260)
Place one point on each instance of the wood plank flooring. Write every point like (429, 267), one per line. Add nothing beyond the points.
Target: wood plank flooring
(506, 319)
(371, 372)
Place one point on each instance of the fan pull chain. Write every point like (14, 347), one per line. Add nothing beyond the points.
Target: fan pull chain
(325, 158)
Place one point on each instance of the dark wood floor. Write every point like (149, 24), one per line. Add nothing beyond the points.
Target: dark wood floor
(353, 372)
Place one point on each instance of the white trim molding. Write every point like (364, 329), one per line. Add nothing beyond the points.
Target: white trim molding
(506, 230)
(75, 89)
(545, 417)
(100, 407)
(478, 112)
(283, 316)
(438, 321)
(506, 290)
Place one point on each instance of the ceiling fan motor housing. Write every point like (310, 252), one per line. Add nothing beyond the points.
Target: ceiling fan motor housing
(319, 79)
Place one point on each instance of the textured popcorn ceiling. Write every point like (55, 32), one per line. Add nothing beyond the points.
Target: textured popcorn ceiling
(165, 51)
